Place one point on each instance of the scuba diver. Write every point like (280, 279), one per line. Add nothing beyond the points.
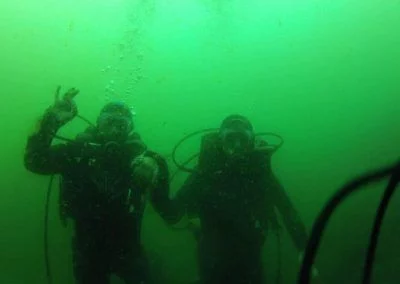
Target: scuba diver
(105, 173)
(235, 196)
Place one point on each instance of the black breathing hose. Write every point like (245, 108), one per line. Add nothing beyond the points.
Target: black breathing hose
(183, 167)
(272, 148)
(279, 248)
(86, 120)
(323, 218)
(46, 232)
(369, 260)
(185, 163)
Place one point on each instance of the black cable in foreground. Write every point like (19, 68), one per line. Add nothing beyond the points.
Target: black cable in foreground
(323, 218)
(373, 243)
(279, 248)
(46, 232)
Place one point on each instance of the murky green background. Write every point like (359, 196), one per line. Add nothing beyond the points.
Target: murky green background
(324, 74)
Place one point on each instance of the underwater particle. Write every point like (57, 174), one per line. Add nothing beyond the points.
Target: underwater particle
(103, 70)
(121, 57)
(71, 26)
(111, 90)
(132, 111)
(107, 88)
(112, 82)
(140, 56)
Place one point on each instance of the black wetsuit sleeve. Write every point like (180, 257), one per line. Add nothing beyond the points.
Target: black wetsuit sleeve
(173, 209)
(40, 156)
(290, 216)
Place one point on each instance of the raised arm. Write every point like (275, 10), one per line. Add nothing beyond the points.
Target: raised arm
(40, 157)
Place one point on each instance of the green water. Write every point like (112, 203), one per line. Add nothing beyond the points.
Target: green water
(324, 74)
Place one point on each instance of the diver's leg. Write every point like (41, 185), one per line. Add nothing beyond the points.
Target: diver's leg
(90, 259)
(234, 267)
(247, 269)
(256, 272)
(133, 268)
(89, 268)
(210, 266)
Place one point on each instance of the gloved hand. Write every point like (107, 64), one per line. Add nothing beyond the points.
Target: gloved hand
(145, 171)
(64, 109)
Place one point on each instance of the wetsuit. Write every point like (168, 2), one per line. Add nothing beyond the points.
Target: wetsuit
(236, 205)
(99, 193)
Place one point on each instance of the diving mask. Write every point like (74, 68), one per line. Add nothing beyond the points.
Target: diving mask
(114, 127)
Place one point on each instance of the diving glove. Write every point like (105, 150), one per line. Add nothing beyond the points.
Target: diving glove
(145, 171)
(63, 110)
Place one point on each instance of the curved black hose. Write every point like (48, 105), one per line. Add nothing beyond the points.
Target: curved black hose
(86, 120)
(279, 248)
(46, 232)
(323, 218)
(275, 147)
(183, 167)
(64, 139)
(71, 140)
(184, 164)
(369, 260)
